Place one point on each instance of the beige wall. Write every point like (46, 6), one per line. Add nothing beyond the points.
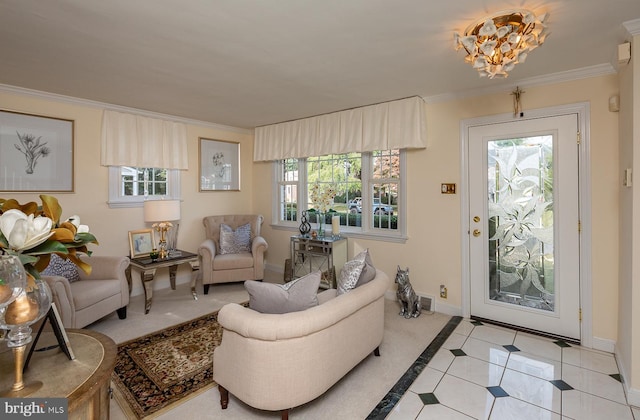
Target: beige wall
(89, 200)
(629, 325)
(433, 250)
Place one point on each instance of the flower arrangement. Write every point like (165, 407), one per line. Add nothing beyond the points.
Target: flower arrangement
(33, 233)
(322, 196)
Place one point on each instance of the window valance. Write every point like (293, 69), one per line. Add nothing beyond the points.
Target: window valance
(134, 140)
(397, 124)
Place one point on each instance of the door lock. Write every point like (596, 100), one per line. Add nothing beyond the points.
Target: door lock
(476, 233)
(476, 219)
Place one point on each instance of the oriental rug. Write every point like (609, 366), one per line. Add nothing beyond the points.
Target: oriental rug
(156, 372)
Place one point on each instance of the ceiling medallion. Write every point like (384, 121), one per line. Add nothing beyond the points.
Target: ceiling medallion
(494, 45)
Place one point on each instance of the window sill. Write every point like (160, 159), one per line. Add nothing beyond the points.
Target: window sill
(372, 236)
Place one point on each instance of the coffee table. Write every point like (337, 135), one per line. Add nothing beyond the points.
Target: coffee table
(148, 269)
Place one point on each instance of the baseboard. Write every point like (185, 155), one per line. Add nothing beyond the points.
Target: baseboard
(603, 344)
(447, 309)
(633, 394)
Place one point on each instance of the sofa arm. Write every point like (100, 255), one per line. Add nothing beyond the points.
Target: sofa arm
(259, 245)
(105, 267)
(61, 296)
(206, 253)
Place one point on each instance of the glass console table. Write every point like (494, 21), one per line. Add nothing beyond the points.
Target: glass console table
(326, 254)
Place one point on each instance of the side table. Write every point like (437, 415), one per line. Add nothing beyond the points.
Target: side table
(148, 269)
(327, 254)
(84, 381)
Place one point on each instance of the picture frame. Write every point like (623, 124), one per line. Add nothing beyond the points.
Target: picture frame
(141, 242)
(219, 165)
(36, 153)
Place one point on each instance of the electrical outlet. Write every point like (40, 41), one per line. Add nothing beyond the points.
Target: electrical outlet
(443, 291)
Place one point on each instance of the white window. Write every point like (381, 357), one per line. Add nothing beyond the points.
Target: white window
(369, 192)
(130, 186)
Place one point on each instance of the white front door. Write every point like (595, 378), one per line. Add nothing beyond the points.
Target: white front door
(524, 229)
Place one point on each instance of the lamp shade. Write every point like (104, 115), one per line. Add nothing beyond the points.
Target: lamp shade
(161, 210)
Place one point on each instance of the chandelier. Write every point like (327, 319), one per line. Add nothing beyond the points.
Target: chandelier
(495, 44)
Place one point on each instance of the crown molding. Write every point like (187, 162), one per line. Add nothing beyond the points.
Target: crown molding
(632, 27)
(564, 76)
(102, 105)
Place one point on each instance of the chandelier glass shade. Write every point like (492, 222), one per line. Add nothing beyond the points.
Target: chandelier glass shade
(494, 45)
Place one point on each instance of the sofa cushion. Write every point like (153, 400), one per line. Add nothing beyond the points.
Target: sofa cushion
(349, 276)
(369, 271)
(59, 266)
(235, 242)
(297, 295)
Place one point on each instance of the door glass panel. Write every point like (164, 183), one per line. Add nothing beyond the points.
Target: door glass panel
(520, 209)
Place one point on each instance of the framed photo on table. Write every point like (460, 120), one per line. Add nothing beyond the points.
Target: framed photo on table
(141, 242)
(36, 153)
(219, 165)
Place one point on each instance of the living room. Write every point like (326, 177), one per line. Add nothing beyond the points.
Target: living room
(432, 247)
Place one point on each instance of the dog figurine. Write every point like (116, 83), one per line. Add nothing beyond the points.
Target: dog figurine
(411, 306)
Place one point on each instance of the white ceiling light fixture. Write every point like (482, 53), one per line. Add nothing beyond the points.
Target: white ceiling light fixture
(495, 44)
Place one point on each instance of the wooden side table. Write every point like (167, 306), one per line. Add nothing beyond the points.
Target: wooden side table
(148, 269)
(84, 381)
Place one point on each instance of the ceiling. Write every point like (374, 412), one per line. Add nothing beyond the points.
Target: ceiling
(255, 62)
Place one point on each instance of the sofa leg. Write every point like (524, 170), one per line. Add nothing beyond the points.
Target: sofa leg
(224, 397)
(376, 351)
(206, 289)
(285, 414)
(122, 312)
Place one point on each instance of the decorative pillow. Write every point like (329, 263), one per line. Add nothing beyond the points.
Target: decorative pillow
(235, 242)
(297, 295)
(59, 266)
(349, 276)
(369, 271)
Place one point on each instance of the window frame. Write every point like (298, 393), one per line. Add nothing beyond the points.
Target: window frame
(117, 200)
(367, 230)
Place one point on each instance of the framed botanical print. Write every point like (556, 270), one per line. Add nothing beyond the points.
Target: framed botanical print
(36, 153)
(219, 165)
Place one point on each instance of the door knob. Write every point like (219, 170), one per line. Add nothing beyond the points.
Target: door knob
(476, 232)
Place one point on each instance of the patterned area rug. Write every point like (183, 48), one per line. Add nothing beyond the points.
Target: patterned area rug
(155, 372)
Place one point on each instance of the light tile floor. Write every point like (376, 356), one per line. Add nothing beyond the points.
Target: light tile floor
(484, 371)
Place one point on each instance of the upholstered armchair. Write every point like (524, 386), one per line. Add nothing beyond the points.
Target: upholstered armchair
(91, 297)
(219, 267)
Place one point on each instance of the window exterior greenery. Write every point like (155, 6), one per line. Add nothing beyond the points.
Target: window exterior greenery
(368, 186)
(130, 186)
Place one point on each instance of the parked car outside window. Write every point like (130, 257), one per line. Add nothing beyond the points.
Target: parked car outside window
(355, 206)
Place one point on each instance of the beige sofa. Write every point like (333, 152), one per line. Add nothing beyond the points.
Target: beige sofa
(277, 362)
(93, 296)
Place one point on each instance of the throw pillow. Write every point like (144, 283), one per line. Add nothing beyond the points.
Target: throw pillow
(235, 242)
(59, 266)
(369, 271)
(297, 295)
(349, 276)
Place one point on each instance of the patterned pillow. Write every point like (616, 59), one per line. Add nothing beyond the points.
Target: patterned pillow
(297, 295)
(59, 266)
(349, 276)
(235, 242)
(369, 271)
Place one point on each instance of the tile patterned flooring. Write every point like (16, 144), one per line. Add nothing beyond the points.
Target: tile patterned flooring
(484, 371)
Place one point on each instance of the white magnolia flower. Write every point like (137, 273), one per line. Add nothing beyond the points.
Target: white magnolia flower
(24, 232)
(75, 220)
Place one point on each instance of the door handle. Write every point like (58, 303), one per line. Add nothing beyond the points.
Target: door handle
(476, 232)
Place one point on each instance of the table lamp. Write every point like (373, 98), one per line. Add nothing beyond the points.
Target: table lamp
(161, 213)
